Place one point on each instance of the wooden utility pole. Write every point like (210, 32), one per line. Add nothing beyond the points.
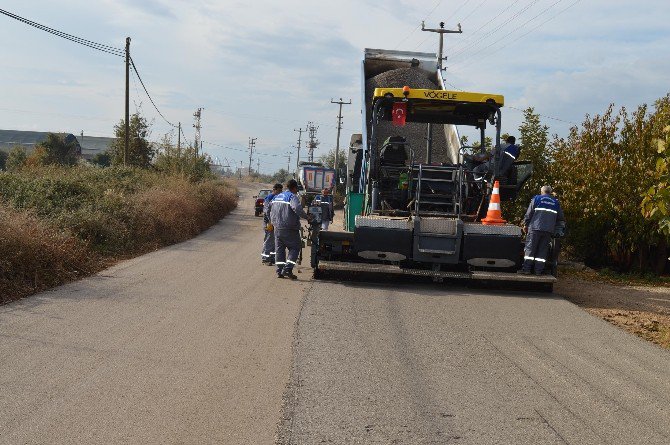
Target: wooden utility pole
(126, 145)
(339, 127)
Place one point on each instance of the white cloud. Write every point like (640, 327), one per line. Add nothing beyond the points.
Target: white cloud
(285, 60)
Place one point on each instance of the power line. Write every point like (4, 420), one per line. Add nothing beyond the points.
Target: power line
(496, 29)
(473, 11)
(531, 30)
(418, 26)
(464, 42)
(521, 27)
(89, 43)
(242, 150)
(132, 63)
(519, 109)
(456, 11)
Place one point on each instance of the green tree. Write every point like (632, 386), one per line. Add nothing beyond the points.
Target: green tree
(602, 170)
(16, 159)
(57, 151)
(3, 160)
(185, 162)
(103, 159)
(656, 200)
(140, 151)
(328, 159)
(281, 177)
(533, 139)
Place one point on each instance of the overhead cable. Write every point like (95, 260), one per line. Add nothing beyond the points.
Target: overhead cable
(89, 43)
(132, 63)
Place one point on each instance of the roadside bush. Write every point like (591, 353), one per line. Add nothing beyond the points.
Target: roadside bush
(35, 256)
(16, 159)
(601, 171)
(109, 213)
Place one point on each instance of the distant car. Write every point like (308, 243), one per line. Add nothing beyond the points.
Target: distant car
(260, 198)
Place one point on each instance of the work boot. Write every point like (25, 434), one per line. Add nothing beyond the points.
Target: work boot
(288, 273)
(279, 275)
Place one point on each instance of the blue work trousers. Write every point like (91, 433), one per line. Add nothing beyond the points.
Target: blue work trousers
(536, 252)
(287, 239)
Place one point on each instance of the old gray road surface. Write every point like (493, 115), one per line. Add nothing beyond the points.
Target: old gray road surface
(424, 364)
(190, 344)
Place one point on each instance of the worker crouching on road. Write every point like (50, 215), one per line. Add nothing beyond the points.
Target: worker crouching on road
(544, 217)
(285, 212)
(268, 253)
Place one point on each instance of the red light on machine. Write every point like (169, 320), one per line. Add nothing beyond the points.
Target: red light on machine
(399, 113)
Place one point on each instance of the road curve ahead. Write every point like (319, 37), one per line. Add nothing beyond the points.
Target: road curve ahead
(428, 364)
(190, 344)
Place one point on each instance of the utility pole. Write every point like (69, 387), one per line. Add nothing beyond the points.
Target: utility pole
(197, 126)
(297, 162)
(179, 139)
(252, 144)
(313, 142)
(126, 145)
(339, 127)
(240, 170)
(258, 166)
(288, 166)
(440, 57)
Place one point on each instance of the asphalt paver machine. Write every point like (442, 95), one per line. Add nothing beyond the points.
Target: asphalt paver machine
(408, 214)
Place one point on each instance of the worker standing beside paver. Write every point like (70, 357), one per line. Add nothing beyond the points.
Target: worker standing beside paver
(544, 217)
(327, 211)
(285, 212)
(268, 252)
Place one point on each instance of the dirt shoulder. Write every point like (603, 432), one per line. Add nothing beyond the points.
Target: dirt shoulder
(641, 310)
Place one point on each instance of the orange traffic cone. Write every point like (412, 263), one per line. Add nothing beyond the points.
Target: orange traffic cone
(494, 215)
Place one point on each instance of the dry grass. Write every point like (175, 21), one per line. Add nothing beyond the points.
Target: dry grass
(60, 225)
(35, 256)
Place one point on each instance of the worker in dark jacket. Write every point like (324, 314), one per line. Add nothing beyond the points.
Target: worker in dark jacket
(285, 212)
(543, 219)
(507, 153)
(268, 253)
(327, 212)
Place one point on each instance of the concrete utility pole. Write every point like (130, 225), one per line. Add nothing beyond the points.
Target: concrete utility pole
(197, 126)
(288, 166)
(339, 127)
(297, 162)
(252, 144)
(179, 139)
(440, 57)
(313, 142)
(240, 170)
(126, 144)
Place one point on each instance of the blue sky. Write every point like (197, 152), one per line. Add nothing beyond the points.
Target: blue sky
(282, 62)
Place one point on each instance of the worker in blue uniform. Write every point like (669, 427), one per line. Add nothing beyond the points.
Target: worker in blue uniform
(285, 212)
(544, 219)
(268, 252)
(507, 153)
